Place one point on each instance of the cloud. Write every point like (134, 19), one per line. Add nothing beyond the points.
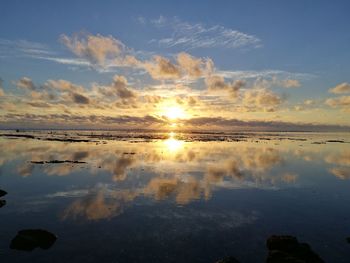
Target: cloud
(256, 125)
(343, 102)
(271, 75)
(62, 85)
(22, 47)
(276, 81)
(309, 102)
(26, 83)
(194, 67)
(118, 92)
(218, 84)
(96, 49)
(80, 98)
(290, 83)
(2, 93)
(81, 121)
(261, 99)
(119, 84)
(190, 36)
(341, 88)
(162, 68)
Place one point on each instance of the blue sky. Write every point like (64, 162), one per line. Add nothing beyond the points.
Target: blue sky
(303, 40)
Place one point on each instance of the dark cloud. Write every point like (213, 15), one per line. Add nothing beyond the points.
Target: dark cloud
(79, 98)
(12, 120)
(26, 83)
(235, 124)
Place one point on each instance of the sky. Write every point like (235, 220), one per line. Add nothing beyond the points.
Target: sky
(178, 65)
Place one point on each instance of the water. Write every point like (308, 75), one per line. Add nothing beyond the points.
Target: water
(173, 197)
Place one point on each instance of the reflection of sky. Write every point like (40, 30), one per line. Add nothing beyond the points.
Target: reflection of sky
(245, 178)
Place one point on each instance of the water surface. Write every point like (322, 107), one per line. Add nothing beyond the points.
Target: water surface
(173, 197)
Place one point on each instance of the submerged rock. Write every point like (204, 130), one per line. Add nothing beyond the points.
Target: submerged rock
(288, 249)
(2, 193)
(228, 260)
(29, 239)
(348, 239)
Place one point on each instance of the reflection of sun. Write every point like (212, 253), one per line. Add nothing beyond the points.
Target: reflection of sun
(174, 113)
(172, 144)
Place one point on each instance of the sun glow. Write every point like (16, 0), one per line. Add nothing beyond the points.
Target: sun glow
(174, 113)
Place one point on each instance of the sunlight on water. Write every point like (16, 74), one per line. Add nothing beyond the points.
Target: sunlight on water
(172, 144)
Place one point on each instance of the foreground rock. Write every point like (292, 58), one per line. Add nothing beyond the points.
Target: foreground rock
(288, 249)
(29, 239)
(228, 260)
(2, 193)
(2, 203)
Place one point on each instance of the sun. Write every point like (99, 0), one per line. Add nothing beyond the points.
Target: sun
(174, 113)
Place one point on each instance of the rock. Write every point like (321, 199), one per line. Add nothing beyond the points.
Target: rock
(287, 249)
(2, 193)
(348, 239)
(29, 239)
(228, 260)
(2, 203)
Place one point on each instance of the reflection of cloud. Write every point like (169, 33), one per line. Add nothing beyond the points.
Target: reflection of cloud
(117, 166)
(94, 207)
(289, 177)
(195, 170)
(261, 159)
(342, 158)
(25, 170)
(341, 172)
(217, 172)
(102, 204)
(184, 191)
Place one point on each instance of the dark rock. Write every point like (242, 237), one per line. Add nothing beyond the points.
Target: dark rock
(228, 260)
(37, 162)
(64, 161)
(2, 203)
(348, 239)
(340, 141)
(18, 135)
(29, 239)
(288, 249)
(2, 193)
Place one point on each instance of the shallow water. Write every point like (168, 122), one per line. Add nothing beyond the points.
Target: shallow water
(172, 197)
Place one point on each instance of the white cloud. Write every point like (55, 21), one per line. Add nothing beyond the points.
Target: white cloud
(96, 49)
(187, 35)
(341, 88)
(343, 102)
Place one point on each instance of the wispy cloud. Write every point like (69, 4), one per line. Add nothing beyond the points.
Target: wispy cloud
(23, 47)
(191, 36)
(256, 74)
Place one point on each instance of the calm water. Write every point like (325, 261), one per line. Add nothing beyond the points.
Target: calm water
(167, 197)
